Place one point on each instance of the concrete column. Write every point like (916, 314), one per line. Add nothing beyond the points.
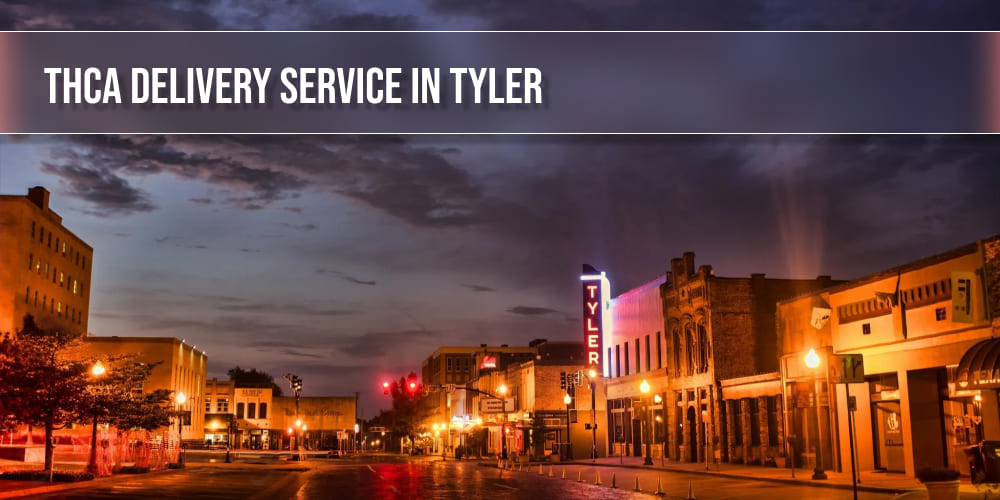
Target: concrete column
(762, 426)
(731, 428)
(745, 424)
(991, 415)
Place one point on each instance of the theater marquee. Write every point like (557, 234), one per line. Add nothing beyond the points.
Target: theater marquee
(596, 320)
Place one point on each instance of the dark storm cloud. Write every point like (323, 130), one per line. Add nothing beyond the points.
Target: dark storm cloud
(300, 227)
(295, 309)
(108, 193)
(514, 14)
(477, 288)
(531, 310)
(346, 277)
(249, 250)
(375, 344)
(200, 201)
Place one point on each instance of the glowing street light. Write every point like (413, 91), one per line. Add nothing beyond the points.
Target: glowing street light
(97, 371)
(180, 399)
(812, 361)
(644, 388)
(502, 391)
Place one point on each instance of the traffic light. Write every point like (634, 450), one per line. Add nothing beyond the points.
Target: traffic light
(411, 385)
(385, 388)
(562, 380)
(577, 376)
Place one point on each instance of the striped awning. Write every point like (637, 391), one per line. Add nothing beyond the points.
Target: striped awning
(980, 366)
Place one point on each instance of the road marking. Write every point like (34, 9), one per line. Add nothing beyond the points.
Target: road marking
(505, 486)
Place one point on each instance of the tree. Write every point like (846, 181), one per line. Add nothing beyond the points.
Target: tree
(408, 407)
(253, 378)
(41, 385)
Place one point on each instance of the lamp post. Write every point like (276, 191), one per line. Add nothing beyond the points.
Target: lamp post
(568, 400)
(502, 391)
(658, 400)
(591, 378)
(180, 399)
(813, 362)
(644, 388)
(97, 371)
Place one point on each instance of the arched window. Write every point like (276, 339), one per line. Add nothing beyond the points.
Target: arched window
(703, 348)
(691, 349)
(677, 349)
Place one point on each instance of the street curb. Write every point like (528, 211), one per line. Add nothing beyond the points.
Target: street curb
(41, 490)
(819, 484)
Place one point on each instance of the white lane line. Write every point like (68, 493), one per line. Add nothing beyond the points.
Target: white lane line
(371, 468)
(505, 486)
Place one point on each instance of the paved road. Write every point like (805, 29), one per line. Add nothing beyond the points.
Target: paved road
(398, 477)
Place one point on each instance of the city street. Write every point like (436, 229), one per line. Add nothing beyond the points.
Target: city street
(427, 477)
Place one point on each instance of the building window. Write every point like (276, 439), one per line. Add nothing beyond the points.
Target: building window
(32, 229)
(64, 248)
(85, 263)
(61, 277)
(49, 241)
(31, 261)
(263, 411)
(618, 361)
(659, 350)
(208, 405)
(866, 329)
(648, 364)
(36, 297)
(691, 349)
(222, 405)
(239, 410)
(59, 307)
(27, 295)
(637, 365)
(74, 287)
(626, 358)
(940, 314)
(57, 243)
(449, 364)
(703, 349)
(677, 352)
(251, 410)
(41, 234)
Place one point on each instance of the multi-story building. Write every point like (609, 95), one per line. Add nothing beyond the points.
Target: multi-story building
(322, 422)
(219, 421)
(926, 333)
(45, 269)
(252, 411)
(706, 329)
(180, 368)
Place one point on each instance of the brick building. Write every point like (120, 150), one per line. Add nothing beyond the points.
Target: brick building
(45, 269)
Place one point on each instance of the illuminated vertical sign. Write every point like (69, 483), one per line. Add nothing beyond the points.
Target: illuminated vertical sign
(596, 319)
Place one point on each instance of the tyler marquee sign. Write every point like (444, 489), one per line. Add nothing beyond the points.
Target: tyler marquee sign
(596, 297)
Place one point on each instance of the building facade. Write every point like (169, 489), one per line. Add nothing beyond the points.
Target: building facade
(926, 332)
(683, 335)
(180, 368)
(220, 425)
(45, 269)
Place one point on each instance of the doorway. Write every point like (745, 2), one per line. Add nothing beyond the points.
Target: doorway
(887, 435)
(636, 437)
(692, 430)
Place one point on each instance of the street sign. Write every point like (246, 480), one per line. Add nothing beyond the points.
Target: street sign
(449, 388)
(847, 369)
(376, 429)
(492, 405)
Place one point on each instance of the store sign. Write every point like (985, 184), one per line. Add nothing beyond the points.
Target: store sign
(493, 405)
(961, 297)
(596, 293)
(488, 362)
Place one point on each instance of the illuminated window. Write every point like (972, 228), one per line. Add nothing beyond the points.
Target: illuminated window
(74, 287)
(239, 410)
(61, 278)
(263, 411)
(251, 410)
(222, 405)
(59, 307)
(38, 267)
(64, 248)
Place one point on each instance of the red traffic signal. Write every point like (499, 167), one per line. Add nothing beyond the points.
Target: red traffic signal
(412, 385)
(385, 388)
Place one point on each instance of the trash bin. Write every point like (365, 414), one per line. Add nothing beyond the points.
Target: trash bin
(976, 468)
(989, 452)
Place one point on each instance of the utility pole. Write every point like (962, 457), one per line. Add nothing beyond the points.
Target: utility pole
(296, 385)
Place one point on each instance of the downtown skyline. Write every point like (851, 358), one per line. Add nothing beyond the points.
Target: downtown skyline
(348, 260)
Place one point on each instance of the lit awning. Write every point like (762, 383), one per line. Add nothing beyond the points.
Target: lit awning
(980, 366)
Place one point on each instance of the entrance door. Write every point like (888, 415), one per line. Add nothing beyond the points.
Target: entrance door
(692, 430)
(887, 433)
(636, 437)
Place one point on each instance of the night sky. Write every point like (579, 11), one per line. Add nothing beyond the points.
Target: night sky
(350, 259)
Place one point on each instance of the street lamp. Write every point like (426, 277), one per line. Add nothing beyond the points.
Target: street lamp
(502, 391)
(180, 399)
(657, 420)
(97, 371)
(644, 388)
(812, 362)
(568, 400)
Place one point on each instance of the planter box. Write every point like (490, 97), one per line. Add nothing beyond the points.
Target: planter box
(942, 490)
(34, 454)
